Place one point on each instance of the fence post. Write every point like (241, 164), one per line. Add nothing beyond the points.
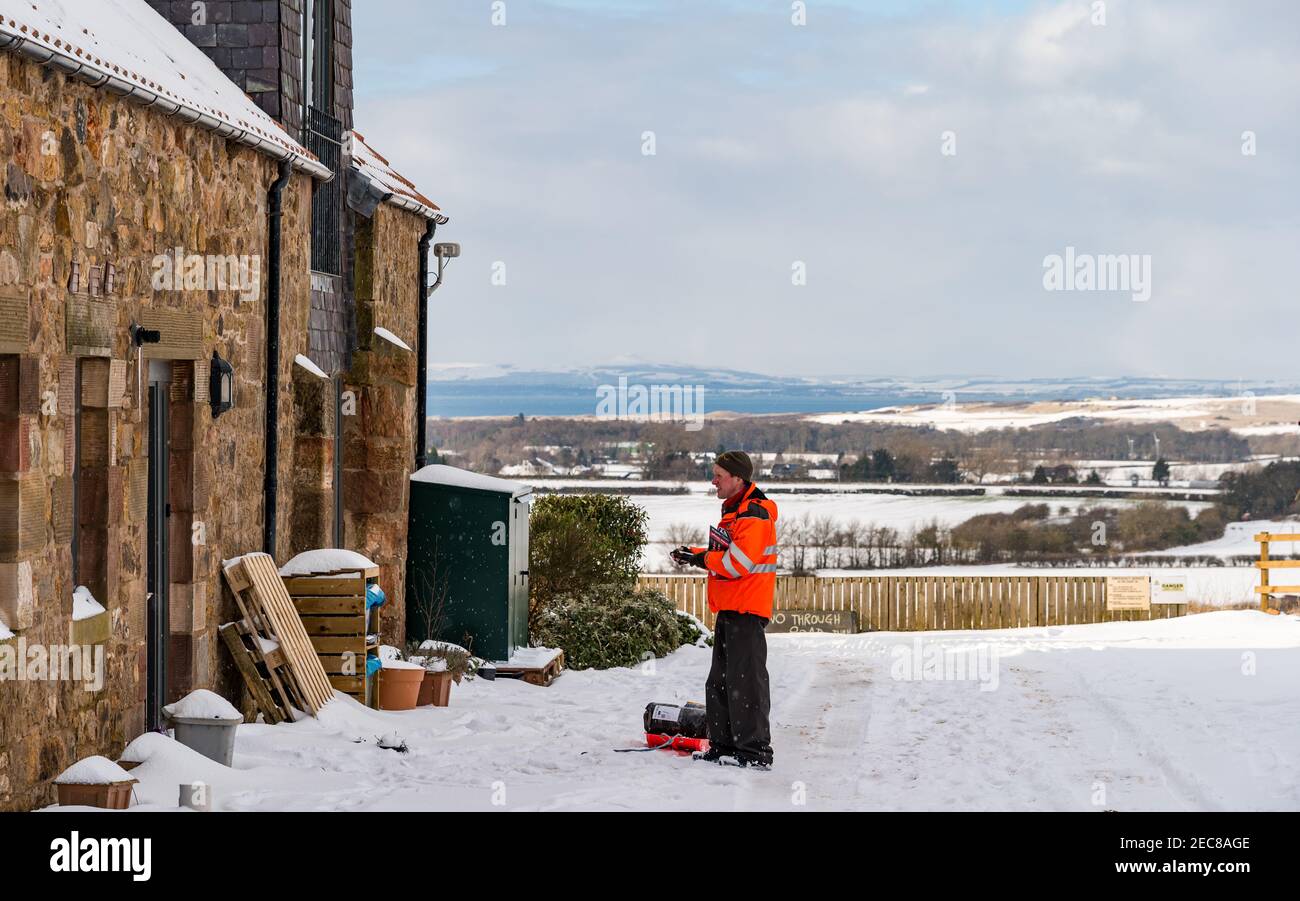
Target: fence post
(1262, 538)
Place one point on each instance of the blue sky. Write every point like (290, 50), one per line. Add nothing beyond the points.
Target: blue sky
(822, 146)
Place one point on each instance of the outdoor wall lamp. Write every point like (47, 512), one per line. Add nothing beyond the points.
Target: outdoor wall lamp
(448, 250)
(141, 336)
(221, 386)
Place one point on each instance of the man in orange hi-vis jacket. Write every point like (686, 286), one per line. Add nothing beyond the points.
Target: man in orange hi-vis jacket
(741, 563)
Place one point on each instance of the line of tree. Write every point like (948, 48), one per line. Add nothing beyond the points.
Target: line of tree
(1270, 492)
(486, 444)
(880, 465)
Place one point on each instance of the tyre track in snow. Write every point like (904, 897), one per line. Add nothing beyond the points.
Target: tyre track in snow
(820, 733)
(1183, 787)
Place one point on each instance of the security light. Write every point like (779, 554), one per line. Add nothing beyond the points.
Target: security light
(221, 386)
(447, 250)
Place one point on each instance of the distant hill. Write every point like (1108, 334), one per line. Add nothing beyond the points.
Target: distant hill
(501, 390)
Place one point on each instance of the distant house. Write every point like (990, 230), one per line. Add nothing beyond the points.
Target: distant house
(527, 468)
(211, 311)
(618, 470)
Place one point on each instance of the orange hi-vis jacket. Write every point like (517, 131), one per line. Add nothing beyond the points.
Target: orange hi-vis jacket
(743, 577)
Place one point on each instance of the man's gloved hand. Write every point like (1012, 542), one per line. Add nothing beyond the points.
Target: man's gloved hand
(684, 556)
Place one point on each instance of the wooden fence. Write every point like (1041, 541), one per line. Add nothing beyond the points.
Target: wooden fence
(1268, 592)
(914, 603)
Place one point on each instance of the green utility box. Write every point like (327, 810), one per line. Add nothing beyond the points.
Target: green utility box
(467, 560)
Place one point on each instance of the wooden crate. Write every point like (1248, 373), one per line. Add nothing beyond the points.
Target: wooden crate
(333, 612)
(542, 675)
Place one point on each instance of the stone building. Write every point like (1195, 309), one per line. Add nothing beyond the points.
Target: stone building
(211, 306)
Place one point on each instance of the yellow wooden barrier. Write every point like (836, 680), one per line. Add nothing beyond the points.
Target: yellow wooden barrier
(1265, 590)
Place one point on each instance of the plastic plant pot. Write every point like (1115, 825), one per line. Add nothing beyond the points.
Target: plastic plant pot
(435, 689)
(399, 687)
(108, 795)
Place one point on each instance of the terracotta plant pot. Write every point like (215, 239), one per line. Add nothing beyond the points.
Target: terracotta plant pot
(435, 689)
(109, 795)
(399, 689)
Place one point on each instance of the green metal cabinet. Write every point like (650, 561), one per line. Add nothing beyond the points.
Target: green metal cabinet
(468, 541)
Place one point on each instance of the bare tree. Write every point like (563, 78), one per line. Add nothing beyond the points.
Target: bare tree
(682, 533)
(431, 585)
(792, 537)
(821, 533)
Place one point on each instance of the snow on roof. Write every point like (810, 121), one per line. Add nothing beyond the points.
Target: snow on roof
(368, 161)
(440, 474)
(125, 47)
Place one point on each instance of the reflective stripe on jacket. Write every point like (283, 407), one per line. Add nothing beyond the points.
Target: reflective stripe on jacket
(743, 577)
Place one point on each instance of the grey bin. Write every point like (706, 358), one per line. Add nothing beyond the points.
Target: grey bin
(213, 738)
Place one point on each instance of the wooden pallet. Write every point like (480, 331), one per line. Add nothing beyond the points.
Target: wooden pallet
(534, 675)
(264, 684)
(333, 611)
(270, 615)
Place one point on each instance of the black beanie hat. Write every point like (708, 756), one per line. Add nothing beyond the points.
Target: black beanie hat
(737, 463)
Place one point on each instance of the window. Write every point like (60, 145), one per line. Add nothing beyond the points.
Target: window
(96, 476)
(318, 55)
(76, 476)
(325, 140)
(338, 461)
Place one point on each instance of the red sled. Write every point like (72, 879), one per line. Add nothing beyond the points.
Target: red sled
(676, 742)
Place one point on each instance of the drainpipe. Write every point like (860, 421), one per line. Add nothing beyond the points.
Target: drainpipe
(422, 342)
(271, 482)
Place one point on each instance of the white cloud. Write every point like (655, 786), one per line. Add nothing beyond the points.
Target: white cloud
(823, 145)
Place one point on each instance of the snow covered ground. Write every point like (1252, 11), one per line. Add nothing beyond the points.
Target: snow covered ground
(1197, 713)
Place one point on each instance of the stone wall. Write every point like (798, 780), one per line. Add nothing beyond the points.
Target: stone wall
(98, 190)
(379, 439)
(92, 180)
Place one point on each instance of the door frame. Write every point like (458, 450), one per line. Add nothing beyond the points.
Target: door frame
(158, 578)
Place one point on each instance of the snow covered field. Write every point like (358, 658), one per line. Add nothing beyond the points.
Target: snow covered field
(892, 510)
(1239, 539)
(1213, 586)
(1198, 713)
(1274, 414)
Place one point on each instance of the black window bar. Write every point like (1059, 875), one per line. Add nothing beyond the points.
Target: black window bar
(325, 140)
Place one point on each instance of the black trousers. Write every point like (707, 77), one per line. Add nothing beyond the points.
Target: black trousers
(736, 694)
